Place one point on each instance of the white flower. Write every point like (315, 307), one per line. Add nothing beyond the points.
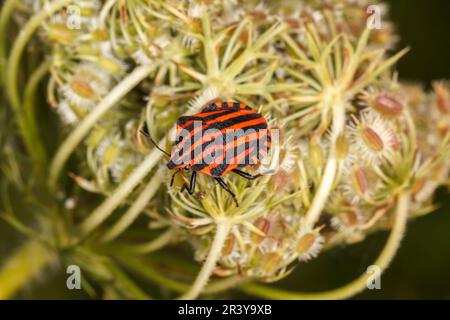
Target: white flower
(347, 222)
(371, 138)
(86, 86)
(308, 244)
(359, 183)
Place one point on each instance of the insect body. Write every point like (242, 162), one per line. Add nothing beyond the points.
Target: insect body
(223, 137)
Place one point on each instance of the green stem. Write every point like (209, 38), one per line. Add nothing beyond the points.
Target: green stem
(5, 17)
(356, 286)
(22, 267)
(210, 52)
(157, 277)
(30, 90)
(115, 199)
(126, 284)
(29, 105)
(327, 181)
(157, 243)
(151, 273)
(125, 188)
(108, 102)
(252, 53)
(34, 146)
(225, 284)
(136, 208)
(200, 282)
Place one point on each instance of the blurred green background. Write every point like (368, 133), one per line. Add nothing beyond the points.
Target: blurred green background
(421, 269)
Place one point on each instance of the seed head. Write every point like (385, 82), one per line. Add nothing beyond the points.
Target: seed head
(372, 138)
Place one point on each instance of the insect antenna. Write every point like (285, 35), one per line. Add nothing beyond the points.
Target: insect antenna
(147, 134)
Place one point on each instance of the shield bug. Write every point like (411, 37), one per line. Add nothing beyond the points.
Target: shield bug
(222, 138)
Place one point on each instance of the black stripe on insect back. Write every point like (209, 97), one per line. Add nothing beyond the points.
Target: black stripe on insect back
(256, 127)
(235, 105)
(197, 155)
(219, 114)
(232, 155)
(222, 105)
(253, 145)
(211, 117)
(187, 153)
(184, 119)
(241, 106)
(233, 121)
(223, 125)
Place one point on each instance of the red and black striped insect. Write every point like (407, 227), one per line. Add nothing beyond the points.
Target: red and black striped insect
(223, 137)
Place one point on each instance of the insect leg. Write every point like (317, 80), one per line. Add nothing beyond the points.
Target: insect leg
(173, 177)
(224, 185)
(245, 174)
(191, 188)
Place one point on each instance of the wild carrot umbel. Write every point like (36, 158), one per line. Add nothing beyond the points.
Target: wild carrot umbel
(353, 149)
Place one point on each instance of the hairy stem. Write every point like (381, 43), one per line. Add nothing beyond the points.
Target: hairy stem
(223, 228)
(356, 286)
(108, 102)
(329, 174)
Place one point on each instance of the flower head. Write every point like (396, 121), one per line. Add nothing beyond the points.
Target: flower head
(309, 243)
(372, 138)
